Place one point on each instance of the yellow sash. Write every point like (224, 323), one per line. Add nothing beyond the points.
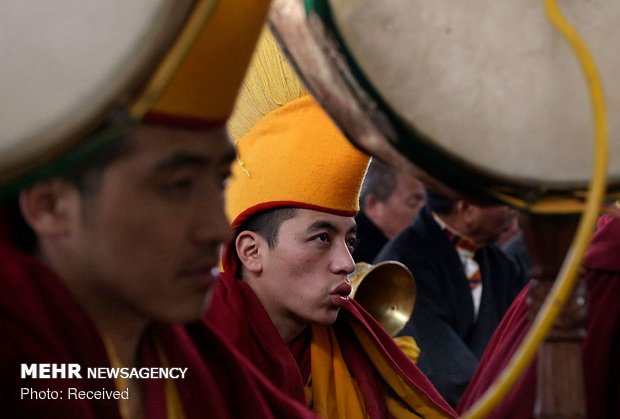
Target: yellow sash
(409, 346)
(334, 392)
(405, 401)
(174, 407)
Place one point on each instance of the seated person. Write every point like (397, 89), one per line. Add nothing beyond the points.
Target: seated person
(600, 350)
(102, 261)
(283, 299)
(465, 285)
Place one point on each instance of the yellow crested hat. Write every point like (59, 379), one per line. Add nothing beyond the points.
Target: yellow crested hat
(203, 89)
(295, 156)
(269, 83)
(290, 153)
(178, 62)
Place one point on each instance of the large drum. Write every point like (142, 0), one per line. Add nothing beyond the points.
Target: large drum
(489, 100)
(68, 64)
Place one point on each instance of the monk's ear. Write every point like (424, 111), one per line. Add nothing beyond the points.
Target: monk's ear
(248, 245)
(46, 206)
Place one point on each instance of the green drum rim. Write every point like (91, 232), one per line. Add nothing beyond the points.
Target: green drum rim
(122, 116)
(88, 147)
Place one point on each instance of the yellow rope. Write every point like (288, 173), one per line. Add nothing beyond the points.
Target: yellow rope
(570, 269)
(269, 84)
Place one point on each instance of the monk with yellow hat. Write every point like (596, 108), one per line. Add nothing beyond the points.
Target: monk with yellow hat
(110, 232)
(283, 299)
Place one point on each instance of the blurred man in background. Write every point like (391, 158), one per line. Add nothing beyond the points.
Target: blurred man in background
(390, 201)
(465, 285)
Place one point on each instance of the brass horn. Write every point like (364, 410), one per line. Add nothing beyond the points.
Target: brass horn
(387, 291)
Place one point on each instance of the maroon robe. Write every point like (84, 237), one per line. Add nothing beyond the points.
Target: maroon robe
(236, 312)
(601, 348)
(41, 323)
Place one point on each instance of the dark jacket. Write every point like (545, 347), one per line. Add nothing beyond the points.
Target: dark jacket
(370, 239)
(443, 325)
(600, 349)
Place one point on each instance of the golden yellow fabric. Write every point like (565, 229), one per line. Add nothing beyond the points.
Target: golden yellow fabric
(334, 392)
(409, 346)
(270, 83)
(119, 382)
(173, 401)
(406, 398)
(174, 406)
(205, 86)
(295, 156)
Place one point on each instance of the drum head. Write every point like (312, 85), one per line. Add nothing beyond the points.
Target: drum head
(485, 99)
(65, 62)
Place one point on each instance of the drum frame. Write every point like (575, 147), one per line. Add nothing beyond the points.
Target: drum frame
(115, 119)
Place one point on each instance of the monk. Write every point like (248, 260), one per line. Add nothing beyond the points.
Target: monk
(601, 348)
(105, 262)
(284, 296)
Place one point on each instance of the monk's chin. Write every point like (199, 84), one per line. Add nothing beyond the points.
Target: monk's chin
(328, 318)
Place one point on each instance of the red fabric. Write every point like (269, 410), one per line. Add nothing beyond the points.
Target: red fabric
(237, 313)
(601, 348)
(353, 312)
(41, 323)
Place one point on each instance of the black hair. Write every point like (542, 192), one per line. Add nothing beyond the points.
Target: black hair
(267, 223)
(438, 203)
(85, 175)
(19, 232)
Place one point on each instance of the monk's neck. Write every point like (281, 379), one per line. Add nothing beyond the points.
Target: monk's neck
(123, 339)
(289, 332)
(288, 326)
(119, 322)
(119, 325)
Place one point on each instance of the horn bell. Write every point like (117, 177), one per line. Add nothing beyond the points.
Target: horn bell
(387, 290)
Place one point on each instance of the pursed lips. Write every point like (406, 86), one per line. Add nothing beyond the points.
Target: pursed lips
(343, 290)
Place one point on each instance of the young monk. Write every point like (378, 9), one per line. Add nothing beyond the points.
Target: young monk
(103, 261)
(283, 300)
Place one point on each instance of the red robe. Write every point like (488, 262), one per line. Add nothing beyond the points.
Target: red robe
(601, 348)
(41, 323)
(237, 313)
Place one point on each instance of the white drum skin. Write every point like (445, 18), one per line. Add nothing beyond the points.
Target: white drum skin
(495, 87)
(66, 61)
